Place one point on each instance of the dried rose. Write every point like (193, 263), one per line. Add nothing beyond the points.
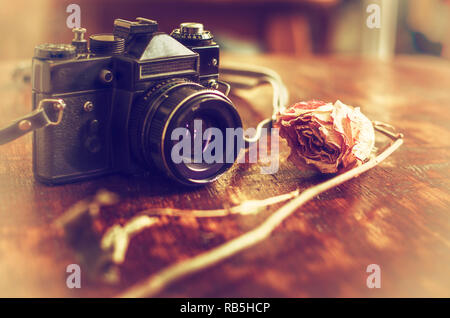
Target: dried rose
(328, 136)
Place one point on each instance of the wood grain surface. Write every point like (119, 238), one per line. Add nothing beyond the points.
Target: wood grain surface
(396, 215)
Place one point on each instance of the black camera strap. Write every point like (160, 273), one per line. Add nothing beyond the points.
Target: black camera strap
(38, 118)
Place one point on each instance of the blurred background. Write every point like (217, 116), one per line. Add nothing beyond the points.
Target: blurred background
(293, 27)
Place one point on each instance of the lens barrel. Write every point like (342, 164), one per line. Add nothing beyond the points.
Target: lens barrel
(178, 103)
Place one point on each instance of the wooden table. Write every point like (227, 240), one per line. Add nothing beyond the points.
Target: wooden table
(396, 215)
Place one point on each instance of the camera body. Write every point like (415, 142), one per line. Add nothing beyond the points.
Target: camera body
(123, 95)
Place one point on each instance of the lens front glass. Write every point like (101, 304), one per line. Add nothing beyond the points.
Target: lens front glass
(205, 122)
(198, 133)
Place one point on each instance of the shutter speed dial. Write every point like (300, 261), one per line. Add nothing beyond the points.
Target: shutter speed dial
(191, 28)
(192, 32)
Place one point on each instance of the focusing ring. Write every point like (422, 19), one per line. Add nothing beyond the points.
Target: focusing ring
(143, 112)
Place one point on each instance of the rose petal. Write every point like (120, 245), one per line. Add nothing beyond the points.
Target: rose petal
(326, 135)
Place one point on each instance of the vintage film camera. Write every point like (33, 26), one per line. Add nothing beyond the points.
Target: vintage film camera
(125, 93)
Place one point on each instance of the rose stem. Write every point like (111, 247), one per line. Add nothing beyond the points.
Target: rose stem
(160, 280)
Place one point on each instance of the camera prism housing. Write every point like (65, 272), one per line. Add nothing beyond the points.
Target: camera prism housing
(124, 95)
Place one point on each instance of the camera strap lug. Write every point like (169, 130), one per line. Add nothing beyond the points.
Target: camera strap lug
(35, 120)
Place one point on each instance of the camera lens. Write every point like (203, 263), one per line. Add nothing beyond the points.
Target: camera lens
(180, 127)
(192, 133)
